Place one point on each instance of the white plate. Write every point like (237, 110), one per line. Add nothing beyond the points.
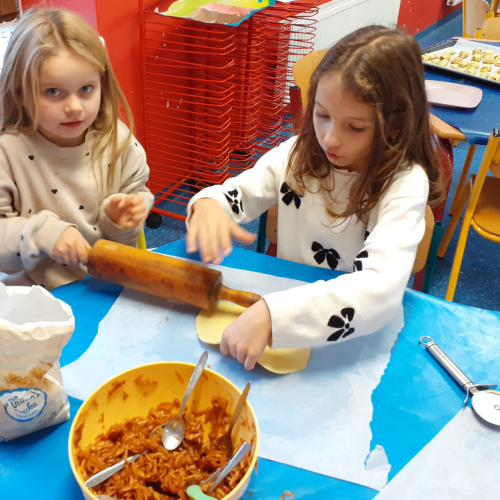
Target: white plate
(452, 95)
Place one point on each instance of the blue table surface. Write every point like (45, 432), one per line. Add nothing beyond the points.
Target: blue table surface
(413, 402)
(475, 124)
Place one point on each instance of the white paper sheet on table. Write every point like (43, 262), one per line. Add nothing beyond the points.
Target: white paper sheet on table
(317, 419)
(461, 463)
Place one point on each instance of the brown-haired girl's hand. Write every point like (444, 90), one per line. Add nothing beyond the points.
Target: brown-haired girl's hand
(71, 248)
(210, 231)
(127, 210)
(246, 338)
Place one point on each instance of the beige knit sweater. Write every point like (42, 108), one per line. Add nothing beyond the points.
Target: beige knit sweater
(44, 189)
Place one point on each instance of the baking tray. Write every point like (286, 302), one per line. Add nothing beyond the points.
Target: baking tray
(458, 46)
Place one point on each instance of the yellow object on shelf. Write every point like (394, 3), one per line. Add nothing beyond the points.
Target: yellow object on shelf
(230, 12)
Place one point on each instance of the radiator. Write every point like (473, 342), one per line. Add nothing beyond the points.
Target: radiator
(338, 18)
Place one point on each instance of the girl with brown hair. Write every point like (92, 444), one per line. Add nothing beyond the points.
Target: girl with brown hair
(70, 170)
(351, 191)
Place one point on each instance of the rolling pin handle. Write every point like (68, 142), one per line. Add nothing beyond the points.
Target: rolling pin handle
(244, 299)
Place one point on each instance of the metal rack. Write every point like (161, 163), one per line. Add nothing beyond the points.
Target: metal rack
(216, 97)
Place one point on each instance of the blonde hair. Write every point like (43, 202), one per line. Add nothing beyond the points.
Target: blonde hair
(383, 68)
(40, 34)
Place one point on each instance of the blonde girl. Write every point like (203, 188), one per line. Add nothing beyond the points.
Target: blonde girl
(351, 192)
(70, 171)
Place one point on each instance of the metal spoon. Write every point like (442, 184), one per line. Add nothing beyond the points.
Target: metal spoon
(195, 491)
(178, 434)
(113, 469)
(225, 443)
(174, 430)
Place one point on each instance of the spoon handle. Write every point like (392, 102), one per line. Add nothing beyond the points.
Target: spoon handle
(196, 494)
(198, 370)
(239, 407)
(238, 457)
(106, 473)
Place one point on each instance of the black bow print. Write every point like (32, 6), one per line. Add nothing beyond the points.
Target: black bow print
(344, 327)
(236, 205)
(367, 233)
(358, 264)
(331, 255)
(290, 195)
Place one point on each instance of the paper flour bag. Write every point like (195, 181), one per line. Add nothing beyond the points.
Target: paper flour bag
(34, 327)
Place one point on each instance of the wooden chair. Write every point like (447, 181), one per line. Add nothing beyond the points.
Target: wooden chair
(482, 212)
(491, 27)
(474, 14)
(448, 135)
(480, 20)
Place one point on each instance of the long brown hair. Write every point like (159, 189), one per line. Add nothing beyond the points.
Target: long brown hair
(40, 34)
(383, 67)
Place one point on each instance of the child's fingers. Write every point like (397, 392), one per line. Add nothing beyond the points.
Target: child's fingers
(123, 205)
(81, 250)
(115, 201)
(224, 346)
(241, 356)
(72, 256)
(191, 245)
(250, 362)
(208, 244)
(139, 216)
(242, 234)
(135, 199)
(225, 242)
(137, 209)
(233, 350)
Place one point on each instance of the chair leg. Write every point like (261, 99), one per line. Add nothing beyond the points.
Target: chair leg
(457, 261)
(432, 257)
(261, 237)
(445, 155)
(461, 202)
(272, 249)
(418, 280)
(463, 177)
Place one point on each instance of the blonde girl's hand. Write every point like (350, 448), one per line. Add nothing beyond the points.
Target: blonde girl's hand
(210, 231)
(127, 210)
(71, 248)
(246, 338)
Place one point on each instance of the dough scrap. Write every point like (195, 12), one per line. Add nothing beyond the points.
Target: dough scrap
(211, 326)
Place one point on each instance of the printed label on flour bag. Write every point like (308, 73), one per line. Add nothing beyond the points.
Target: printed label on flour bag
(34, 327)
(23, 404)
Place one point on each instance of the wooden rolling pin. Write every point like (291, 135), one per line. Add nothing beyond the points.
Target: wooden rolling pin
(161, 275)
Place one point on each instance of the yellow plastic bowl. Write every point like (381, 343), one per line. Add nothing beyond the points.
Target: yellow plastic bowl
(172, 381)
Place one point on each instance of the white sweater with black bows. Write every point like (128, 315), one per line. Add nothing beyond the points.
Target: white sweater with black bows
(44, 189)
(381, 253)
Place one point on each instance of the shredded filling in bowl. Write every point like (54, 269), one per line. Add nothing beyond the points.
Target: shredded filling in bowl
(160, 474)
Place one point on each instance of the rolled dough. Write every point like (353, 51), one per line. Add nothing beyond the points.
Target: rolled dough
(211, 326)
